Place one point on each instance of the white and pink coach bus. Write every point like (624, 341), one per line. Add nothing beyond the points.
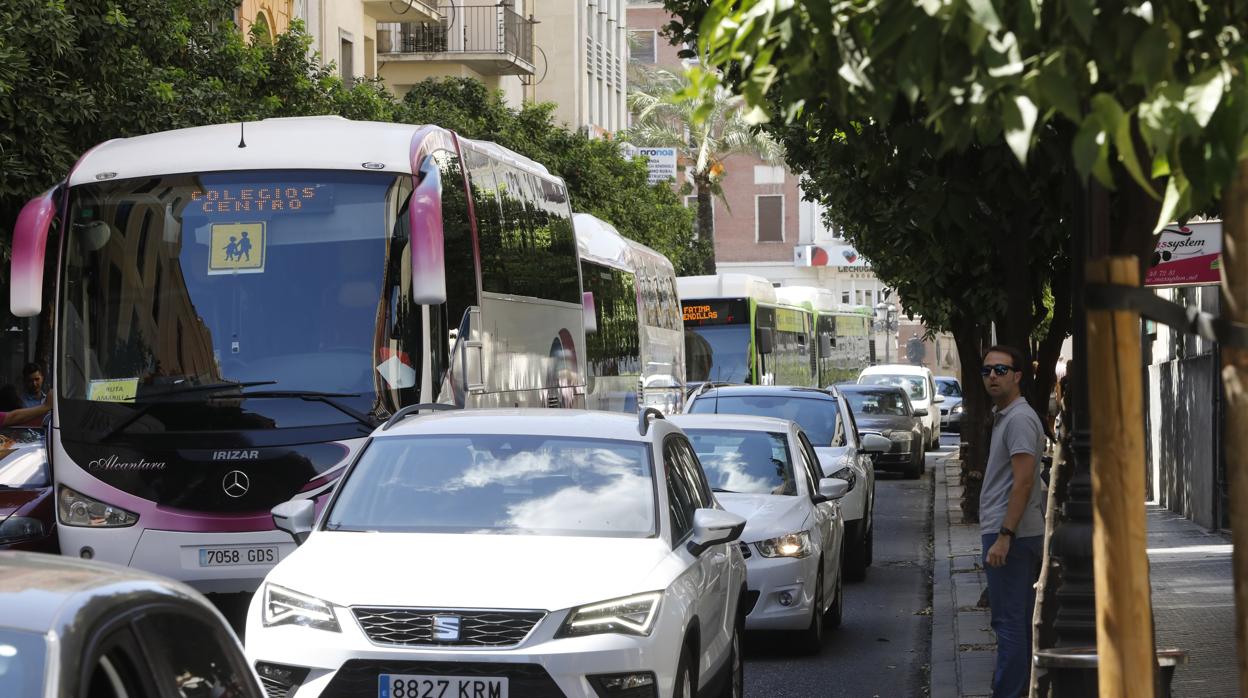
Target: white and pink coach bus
(238, 306)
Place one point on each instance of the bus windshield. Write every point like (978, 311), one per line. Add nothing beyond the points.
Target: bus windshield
(287, 279)
(717, 353)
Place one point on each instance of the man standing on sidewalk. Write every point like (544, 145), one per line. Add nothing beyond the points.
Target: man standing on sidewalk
(1011, 518)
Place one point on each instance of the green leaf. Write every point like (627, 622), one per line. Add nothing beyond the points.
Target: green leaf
(1127, 155)
(1202, 97)
(1084, 148)
(1150, 58)
(1080, 13)
(1169, 205)
(1057, 88)
(984, 14)
(1019, 124)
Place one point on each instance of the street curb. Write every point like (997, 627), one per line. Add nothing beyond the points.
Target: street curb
(944, 660)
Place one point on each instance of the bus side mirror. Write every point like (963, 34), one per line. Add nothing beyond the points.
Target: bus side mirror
(424, 212)
(765, 341)
(30, 243)
(589, 312)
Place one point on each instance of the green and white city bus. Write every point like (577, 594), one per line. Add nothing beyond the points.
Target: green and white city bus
(842, 337)
(737, 332)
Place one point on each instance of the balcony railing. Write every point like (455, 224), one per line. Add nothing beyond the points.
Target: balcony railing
(472, 29)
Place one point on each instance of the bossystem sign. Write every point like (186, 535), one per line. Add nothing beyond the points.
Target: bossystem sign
(1187, 255)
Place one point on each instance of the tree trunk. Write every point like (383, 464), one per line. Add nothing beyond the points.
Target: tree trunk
(1124, 620)
(975, 422)
(1235, 382)
(706, 218)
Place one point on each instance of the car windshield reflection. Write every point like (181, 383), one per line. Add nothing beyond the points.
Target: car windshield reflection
(754, 462)
(488, 484)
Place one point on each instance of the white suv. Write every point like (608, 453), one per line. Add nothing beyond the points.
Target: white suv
(920, 386)
(508, 553)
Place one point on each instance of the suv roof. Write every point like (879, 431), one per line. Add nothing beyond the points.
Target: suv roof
(896, 370)
(775, 390)
(544, 421)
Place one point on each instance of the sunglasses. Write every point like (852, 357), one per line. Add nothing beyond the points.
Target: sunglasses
(999, 369)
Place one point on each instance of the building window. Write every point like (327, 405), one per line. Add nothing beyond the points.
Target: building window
(643, 45)
(845, 297)
(346, 57)
(769, 218)
(768, 174)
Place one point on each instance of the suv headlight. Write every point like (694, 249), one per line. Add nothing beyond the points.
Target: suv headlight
(789, 545)
(284, 606)
(77, 509)
(19, 528)
(631, 615)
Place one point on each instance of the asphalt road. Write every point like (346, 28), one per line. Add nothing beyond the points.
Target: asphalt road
(883, 645)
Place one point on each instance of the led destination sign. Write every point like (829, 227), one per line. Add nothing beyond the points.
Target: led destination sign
(259, 198)
(716, 312)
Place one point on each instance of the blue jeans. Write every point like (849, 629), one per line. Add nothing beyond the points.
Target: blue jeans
(1012, 596)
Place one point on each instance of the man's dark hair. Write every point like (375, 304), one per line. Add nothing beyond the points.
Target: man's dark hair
(30, 368)
(1017, 358)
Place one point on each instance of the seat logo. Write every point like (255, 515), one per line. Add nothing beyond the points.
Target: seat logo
(236, 483)
(446, 628)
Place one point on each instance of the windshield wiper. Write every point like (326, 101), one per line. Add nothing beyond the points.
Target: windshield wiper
(327, 398)
(178, 390)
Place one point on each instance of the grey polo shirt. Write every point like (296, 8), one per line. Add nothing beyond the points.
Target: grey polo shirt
(1015, 429)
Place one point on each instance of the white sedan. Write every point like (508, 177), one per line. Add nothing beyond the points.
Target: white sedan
(508, 553)
(763, 469)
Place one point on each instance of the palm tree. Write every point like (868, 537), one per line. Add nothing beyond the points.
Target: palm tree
(663, 117)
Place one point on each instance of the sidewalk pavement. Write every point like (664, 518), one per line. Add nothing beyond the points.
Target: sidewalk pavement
(1193, 602)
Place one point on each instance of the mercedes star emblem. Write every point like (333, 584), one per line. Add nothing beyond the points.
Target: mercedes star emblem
(235, 483)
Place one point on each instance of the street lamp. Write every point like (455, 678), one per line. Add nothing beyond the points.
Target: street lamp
(886, 322)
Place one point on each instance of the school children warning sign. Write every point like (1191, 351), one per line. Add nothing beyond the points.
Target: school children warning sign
(237, 248)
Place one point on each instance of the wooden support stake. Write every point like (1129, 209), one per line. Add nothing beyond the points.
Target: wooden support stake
(1235, 383)
(1124, 618)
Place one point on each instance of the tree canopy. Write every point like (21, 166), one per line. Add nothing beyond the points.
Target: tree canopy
(74, 73)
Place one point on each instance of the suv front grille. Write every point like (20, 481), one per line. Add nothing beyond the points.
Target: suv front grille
(415, 626)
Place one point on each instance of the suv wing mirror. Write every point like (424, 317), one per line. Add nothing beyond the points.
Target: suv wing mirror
(296, 518)
(714, 526)
(874, 443)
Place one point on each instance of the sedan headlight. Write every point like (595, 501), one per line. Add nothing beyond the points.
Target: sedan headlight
(284, 606)
(20, 528)
(956, 409)
(77, 509)
(631, 615)
(789, 545)
(901, 436)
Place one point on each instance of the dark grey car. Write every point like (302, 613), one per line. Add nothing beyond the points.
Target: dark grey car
(886, 410)
(951, 408)
(71, 628)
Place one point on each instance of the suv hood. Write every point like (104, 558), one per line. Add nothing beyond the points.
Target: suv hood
(474, 570)
(884, 421)
(767, 515)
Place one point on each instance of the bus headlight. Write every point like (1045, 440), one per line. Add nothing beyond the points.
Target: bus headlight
(77, 509)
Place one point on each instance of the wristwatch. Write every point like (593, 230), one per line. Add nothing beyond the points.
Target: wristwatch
(1005, 532)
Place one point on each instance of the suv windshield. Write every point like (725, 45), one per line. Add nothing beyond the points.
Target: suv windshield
(948, 388)
(820, 419)
(755, 462)
(877, 402)
(915, 386)
(500, 484)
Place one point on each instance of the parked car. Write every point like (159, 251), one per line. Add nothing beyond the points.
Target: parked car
(951, 411)
(765, 470)
(886, 411)
(509, 552)
(71, 627)
(920, 387)
(27, 507)
(843, 453)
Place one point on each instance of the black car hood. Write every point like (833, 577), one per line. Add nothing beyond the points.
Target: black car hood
(867, 422)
